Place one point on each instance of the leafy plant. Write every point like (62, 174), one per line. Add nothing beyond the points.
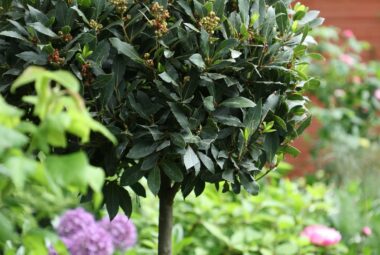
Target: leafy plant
(36, 181)
(350, 89)
(241, 224)
(195, 91)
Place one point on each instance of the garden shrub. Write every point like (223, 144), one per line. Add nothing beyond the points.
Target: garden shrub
(195, 91)
(37, 182)
(349, 90)
(348, 145)
(270, 223)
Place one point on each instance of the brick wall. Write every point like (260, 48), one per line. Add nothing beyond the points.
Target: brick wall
(362, 17)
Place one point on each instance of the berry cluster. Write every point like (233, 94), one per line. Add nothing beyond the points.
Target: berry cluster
(66, 37)
(210, 22)
(148, 61)
(55, 58)
(88, 77)
(120, 5)
(160, 17)
(95, 25)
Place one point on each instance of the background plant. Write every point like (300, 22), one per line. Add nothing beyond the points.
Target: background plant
(268, 224)
(349, 89)
(37, 181)
(347, 148)
(195, 91)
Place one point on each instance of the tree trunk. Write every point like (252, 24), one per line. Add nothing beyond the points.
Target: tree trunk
(165, 223)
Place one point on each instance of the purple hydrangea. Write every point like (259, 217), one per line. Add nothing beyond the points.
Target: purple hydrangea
(74, 221)
(122, 230)
(93, 240)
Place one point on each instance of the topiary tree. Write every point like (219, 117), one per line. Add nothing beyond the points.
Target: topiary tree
(195, 91)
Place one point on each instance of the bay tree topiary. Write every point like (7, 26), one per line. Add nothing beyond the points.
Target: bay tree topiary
(195, 91)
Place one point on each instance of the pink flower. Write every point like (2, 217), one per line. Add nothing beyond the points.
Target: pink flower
(377, 94)
(347, 59)
(367, 231)
(356, 79)
(348, 33)
(321, 235)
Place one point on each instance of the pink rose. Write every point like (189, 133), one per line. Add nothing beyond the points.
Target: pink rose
(377, 94)
(367, 231)
(348, 33)
(347, 59)
(321, 235)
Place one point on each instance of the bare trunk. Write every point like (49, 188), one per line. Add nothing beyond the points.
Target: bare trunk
(165, 223)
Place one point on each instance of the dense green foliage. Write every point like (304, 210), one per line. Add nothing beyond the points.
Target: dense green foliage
(37, 182)
(203, 91)
(268, 224)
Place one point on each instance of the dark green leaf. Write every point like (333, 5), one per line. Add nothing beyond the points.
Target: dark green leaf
(179, 115)
(154, 180)
(138, 189)
(250, 185)
(13, 34)
(207, 162)
(125, 49)
(228, 174)
(219, 6)
(141, 149)
(172, 171)
(112, 199)
(252, 118)
(125, 201)
(271, 145)
(131, 175)
(303, 125)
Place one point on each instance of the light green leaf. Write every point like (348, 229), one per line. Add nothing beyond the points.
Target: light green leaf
(38, 26)
(13, 139)
(209, 103)
(13, 34)
(238, 102)
(190, 159)
(197, 60)
(167, 78)
(73, 170)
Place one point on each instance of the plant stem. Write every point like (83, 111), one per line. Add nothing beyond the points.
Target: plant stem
(165, 221)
